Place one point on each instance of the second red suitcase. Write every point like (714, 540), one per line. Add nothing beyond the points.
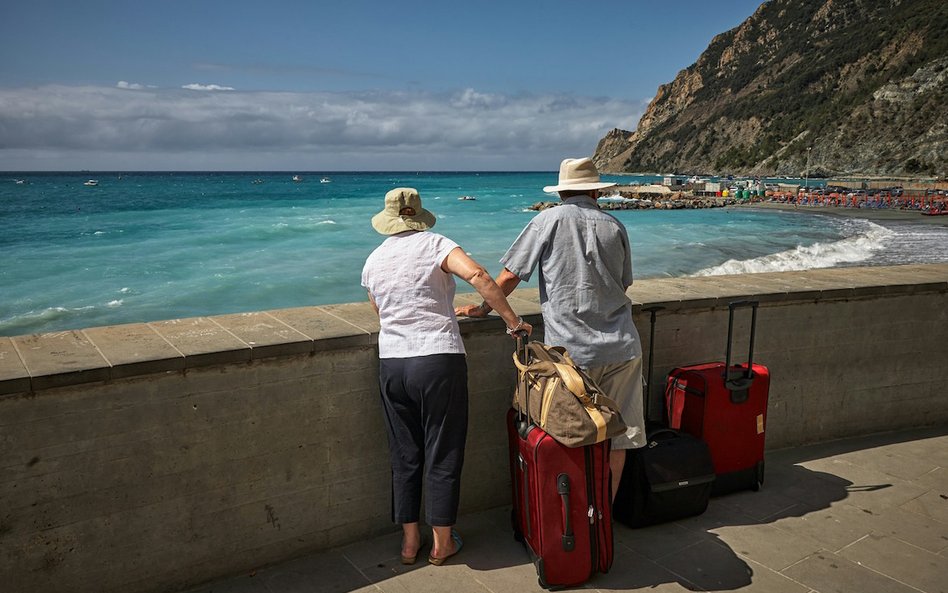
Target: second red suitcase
(725, 405)
(561, 503)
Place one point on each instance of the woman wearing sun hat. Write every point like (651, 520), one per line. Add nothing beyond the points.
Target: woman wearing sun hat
(422, 365)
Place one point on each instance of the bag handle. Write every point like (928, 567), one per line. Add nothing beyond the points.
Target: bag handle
(523, 424)
(562, 488)
(546, 353)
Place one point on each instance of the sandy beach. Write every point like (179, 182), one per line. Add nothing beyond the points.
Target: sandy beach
(875, 215)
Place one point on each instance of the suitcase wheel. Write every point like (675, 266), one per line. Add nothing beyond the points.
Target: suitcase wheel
(759, 482)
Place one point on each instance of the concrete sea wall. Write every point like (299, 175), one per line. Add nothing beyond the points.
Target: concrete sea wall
(152, 457)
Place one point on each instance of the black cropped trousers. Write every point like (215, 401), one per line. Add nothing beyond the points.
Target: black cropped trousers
(425, 401)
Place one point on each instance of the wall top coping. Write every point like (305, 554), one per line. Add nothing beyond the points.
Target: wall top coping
(35, 362)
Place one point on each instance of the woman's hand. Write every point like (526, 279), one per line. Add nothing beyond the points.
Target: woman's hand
(470, 311)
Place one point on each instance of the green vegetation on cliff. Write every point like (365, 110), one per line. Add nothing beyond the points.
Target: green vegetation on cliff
(863, 84)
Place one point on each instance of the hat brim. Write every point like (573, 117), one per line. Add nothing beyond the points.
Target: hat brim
(386, 224)
(578, 186)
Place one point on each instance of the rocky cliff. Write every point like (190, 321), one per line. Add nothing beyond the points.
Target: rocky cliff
(855, 87)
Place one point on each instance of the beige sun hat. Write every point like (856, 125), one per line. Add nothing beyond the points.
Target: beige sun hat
(578, 174)
(403, 212)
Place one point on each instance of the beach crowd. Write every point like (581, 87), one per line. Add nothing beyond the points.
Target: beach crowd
(892, 200)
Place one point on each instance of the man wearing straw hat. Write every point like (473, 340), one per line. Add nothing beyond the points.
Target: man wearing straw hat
(585, 267)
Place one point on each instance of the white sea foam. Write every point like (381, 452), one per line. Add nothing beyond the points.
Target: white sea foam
(856, 248)
(328, 222)
(115, 303)
(31, 319)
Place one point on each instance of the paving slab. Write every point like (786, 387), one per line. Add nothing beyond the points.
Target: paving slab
(14, 377)
(326, 331)
(135, 349)
(825, 571)
(904, 562)
(932, 505)
(832, 528)
(709, 566)
(202, 342)
(61, 358)
(359, 315)
(870, 489)
(265, 334)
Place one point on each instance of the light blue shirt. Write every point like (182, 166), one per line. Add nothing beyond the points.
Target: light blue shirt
(585, 266)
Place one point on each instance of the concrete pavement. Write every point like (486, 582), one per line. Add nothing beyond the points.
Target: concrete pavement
(863, 515)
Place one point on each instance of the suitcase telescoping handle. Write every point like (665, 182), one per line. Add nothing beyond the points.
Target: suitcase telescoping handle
(523, 424)
(651, 355)
(739, 384)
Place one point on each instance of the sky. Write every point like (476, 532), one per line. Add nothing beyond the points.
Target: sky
(352, 85)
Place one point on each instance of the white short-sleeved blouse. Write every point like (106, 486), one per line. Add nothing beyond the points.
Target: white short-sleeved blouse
(414, 295)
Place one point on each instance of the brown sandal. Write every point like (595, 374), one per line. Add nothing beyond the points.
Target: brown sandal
(458, 544)
(409, 560)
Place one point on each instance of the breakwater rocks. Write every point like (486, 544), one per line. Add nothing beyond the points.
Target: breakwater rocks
(670, 203)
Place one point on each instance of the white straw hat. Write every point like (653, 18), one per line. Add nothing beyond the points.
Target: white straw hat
(578, 174)
(403, 212)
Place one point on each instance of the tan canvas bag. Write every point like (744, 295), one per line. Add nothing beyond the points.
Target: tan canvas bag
(564, 401)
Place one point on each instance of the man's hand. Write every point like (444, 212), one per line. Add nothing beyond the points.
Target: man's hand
(470, 311)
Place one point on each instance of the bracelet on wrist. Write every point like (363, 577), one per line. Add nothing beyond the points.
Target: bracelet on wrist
(512, 331)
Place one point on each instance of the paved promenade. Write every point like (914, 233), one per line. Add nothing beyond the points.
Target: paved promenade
(865, 515)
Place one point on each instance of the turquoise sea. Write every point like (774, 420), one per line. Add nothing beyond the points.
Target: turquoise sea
(149, 246)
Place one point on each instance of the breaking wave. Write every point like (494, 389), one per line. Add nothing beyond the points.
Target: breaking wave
(852, 249)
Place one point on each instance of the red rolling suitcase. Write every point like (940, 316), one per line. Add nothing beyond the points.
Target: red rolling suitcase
(561, 503)
(725, 405)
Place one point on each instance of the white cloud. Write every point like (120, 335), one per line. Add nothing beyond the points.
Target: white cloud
(99, 127)
(207, 87)
(129, 85)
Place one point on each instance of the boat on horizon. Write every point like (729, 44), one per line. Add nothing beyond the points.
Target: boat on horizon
(91, 182)
(297, 178)
(325, 180)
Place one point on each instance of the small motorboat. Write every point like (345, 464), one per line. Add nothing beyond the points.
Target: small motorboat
(467, 198)
(933, 211)
(257, 181)
(20, 181)
(325, 180)
(91, 182)
(297, 178)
